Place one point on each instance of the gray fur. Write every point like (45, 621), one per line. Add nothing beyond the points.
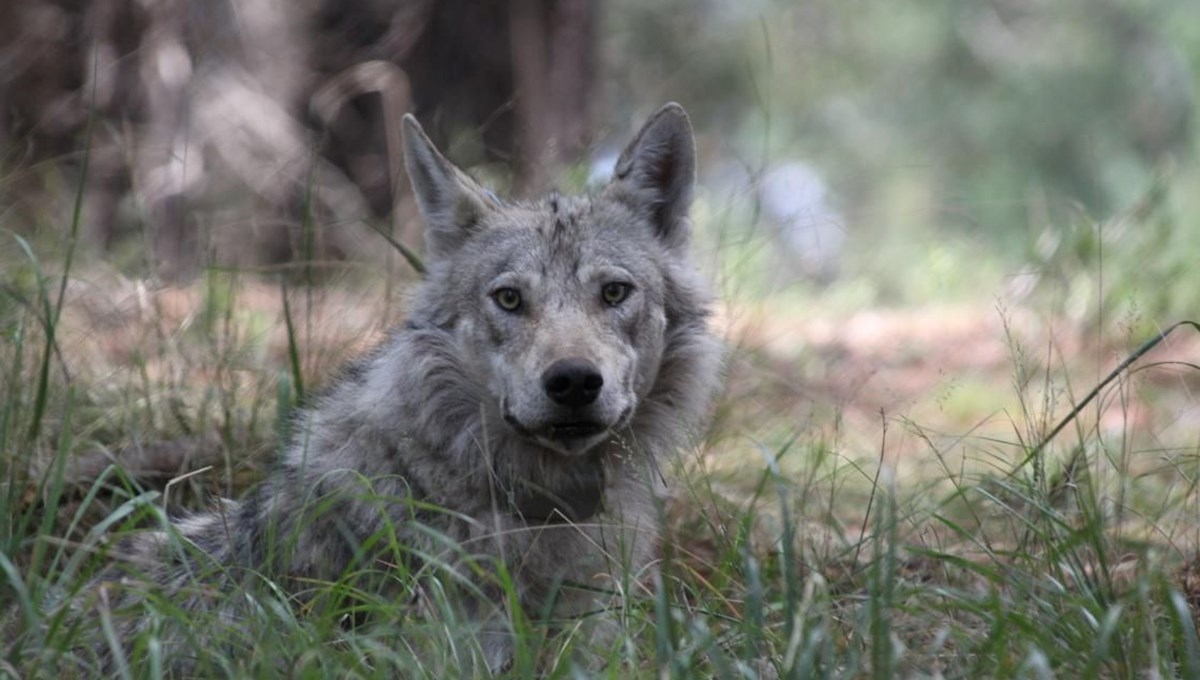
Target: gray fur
(453, 409)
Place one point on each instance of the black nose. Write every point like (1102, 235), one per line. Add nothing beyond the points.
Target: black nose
(572, 382)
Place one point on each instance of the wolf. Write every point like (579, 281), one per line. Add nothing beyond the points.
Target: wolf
(553, 354)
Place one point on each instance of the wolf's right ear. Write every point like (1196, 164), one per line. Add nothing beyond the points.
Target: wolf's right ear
(656, 173)
(451, 203)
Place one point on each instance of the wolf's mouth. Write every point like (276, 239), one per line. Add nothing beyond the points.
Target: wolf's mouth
(570, 437)
(557, 431)
(564, 431)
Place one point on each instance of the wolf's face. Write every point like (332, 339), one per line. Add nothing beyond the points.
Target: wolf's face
(561, 303)
(567, 314)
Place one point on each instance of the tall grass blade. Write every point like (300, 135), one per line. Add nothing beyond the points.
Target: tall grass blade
(293, 347)
(1150, 344)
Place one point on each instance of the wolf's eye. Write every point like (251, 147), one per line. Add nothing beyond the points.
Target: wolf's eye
(615, 292)
(509, 299)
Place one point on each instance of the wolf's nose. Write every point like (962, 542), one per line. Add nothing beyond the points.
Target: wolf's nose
(572, 382)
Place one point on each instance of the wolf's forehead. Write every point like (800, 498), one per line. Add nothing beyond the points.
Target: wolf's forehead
(563, 216)
(561, 233)
(578, 219)
(562, 219)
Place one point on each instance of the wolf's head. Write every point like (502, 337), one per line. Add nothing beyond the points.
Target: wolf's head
(562, 308)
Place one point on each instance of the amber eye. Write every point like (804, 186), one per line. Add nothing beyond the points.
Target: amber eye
(509, 299)
(615, 292)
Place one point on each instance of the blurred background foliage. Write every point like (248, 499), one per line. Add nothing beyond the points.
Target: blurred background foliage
(961, 141)
(872, 152)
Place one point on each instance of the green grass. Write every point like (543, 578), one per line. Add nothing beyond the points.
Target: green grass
(795, 547)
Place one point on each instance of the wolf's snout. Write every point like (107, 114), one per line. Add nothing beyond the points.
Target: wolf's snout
(572, 382)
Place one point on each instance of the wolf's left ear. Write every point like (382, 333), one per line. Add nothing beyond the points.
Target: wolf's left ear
(451, 203)
(656, 172)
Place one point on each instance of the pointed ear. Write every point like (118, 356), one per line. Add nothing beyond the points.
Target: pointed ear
(451, 203)
(656, 172)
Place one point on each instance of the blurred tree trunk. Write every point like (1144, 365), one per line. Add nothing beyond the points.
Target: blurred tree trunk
(553, 60)
(207, 111)
(516, 77)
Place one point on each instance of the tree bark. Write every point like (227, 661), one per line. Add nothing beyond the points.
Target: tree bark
(554, 69)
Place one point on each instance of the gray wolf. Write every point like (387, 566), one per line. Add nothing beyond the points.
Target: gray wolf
(553, 354)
